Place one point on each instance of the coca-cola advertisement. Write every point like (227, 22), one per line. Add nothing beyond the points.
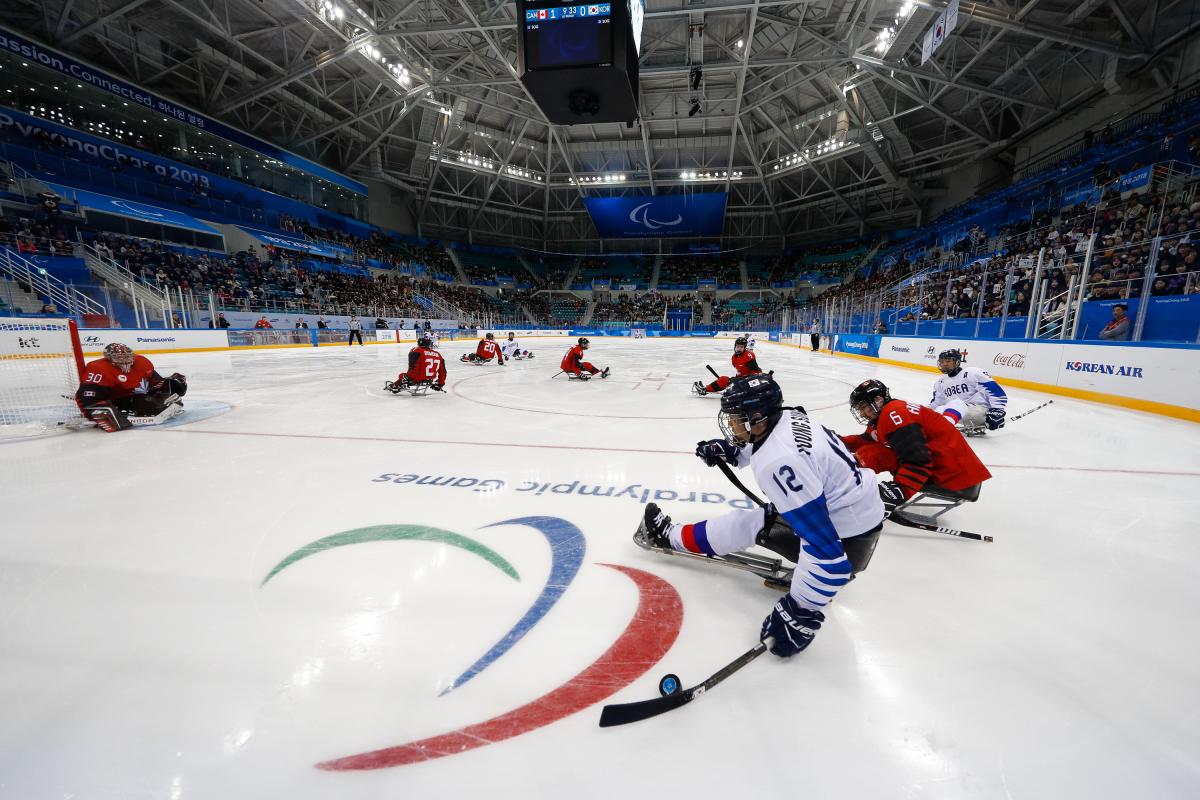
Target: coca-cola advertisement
(1012, 361)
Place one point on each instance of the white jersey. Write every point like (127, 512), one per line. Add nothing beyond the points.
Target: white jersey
(750, 343)
(509, 348)
(817, 488)
(970, 386)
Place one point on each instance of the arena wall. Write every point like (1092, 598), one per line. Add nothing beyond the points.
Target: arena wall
(1145, 377)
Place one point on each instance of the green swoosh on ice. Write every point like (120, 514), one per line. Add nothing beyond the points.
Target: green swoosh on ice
(390, 533)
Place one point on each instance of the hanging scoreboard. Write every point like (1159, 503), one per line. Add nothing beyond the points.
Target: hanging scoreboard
(580, 60)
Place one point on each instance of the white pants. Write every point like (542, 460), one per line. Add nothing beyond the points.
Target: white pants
(727, 533)
(965, 415)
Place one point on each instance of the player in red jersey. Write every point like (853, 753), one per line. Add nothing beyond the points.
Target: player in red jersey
(123, 384)
(919, 446)
(426, 367)
(573, 363)
(486, 351)
(743, 361)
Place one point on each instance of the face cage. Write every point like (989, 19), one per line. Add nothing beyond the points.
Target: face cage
(725, 423)
(945, 371)
(122, 361)
(862, 419)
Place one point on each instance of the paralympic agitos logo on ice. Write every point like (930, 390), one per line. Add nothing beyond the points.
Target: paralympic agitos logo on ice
(644, 641)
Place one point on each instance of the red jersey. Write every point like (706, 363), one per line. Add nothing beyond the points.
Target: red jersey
(262, 323)
(928, 448)
(103, 381)
(745, 364)
(572, 359)
(488, 349)
(426, 364)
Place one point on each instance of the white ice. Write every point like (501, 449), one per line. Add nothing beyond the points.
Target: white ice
(141, 656)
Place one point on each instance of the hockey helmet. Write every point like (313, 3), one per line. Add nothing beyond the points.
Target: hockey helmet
(748, 400)
(425, 342)
(584, 343)
(946, 357)
(740, 342)
(119, 355)
(490, 335)
(511, 335)
(873, 393)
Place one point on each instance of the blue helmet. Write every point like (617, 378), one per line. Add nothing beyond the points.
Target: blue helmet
(752, 399)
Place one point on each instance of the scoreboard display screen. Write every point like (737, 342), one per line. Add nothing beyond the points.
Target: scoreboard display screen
(566, 34)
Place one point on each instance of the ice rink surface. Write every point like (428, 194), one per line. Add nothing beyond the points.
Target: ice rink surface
(309, 588)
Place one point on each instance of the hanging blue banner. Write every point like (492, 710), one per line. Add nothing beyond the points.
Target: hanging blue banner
(292, 243)
(129, 209)
(66, 65)
(661, 216)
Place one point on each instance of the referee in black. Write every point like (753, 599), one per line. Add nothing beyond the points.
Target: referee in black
(355, 331)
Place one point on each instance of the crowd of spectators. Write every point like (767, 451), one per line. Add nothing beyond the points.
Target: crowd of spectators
(1124, 230)
(643, 308)
(690, 270)
(30, 238)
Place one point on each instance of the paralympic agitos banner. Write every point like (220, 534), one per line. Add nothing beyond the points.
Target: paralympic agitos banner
(60, 62)
(658, 216)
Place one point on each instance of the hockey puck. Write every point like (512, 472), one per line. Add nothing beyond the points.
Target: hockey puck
(669, 685)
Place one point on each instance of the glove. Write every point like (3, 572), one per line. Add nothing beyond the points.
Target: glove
(437, 387)
(714, 451)
(995, 419)
(792, 627)
(892, 496)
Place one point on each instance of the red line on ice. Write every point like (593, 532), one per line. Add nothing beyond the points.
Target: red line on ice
(509, 445)
(643, 643)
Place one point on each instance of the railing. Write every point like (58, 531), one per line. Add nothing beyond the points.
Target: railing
(65, 297)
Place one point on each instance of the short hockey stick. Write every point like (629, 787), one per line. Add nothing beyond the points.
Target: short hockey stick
(624, 713)
(740, 486)
(713, 371)
(908, 522)
(1030, 411)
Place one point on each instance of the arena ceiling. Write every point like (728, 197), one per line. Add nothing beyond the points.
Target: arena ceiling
(816, 115)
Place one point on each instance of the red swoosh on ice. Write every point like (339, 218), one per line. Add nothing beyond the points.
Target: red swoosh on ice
(643, 643)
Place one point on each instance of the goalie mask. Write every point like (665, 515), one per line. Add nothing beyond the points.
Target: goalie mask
(119, 355)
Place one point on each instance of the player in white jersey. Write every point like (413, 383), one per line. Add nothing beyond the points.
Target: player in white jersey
(968, 396)
(825, 512)
(750, 342)
(512, 349)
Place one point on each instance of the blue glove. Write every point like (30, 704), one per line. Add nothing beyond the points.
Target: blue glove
(714, 451)
(792, 626)
(995, 418)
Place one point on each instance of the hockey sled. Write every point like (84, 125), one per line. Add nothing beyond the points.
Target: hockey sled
(772, 570)
(933, 501)
(415, 389)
